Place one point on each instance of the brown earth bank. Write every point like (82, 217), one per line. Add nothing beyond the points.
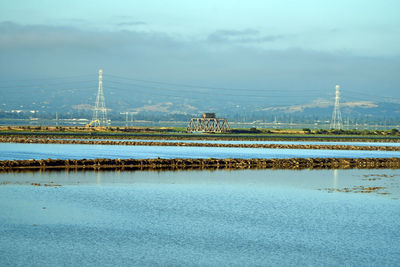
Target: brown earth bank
(150, 143)
(201, 164)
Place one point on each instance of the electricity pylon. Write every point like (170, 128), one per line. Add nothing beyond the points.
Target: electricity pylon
(100, 111)
(336, 122)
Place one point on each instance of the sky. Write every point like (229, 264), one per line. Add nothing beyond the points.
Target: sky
(291, 46)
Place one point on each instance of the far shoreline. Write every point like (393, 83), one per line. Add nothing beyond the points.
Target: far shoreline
(179, 133)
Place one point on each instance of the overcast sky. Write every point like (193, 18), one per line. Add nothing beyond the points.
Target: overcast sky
(287, 45)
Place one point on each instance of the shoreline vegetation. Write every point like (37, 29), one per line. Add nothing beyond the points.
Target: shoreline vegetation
(194, 144)
(179, 133)
(199, 164)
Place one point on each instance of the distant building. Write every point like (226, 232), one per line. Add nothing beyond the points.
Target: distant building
(208, 115)
(208, 123)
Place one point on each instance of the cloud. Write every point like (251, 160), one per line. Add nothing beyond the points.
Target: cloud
(57, 51)
(241, 36)
(237, 32)
(13, 35)
(131, 23)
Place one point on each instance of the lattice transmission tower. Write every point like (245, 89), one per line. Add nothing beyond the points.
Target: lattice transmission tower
(100, 111)
(208, 123)
(336, 121)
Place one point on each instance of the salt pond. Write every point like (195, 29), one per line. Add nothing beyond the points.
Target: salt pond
(241, 217)
(343, 143)
(16, 151)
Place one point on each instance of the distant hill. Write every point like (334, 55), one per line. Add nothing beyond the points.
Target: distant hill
(74, 100)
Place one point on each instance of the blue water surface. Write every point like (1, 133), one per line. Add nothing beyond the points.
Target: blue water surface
(344, 143)
(203, 224)
(13, 151)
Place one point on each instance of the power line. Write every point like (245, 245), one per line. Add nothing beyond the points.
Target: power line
(177, 89)
(203, 93)
(46, 84)
(45, 79)
(200, 86)
(372, 95)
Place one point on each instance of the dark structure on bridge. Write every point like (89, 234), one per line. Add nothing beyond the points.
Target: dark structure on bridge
(208, 123)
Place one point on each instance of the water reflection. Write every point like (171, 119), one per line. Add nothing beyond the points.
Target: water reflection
(372, 182)
(98, 177)
(352, 180)
(335, 178)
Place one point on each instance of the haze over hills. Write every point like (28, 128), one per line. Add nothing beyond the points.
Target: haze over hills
(185, 62)
(156, 99)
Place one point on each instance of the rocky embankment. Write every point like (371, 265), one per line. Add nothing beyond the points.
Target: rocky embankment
(188, 164)
(150, 143)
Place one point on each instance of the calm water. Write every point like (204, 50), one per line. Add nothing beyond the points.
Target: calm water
(251, 142)
(250, 217)
(11, 151)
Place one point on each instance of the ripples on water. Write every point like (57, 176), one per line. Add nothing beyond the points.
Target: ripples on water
(250, 217)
